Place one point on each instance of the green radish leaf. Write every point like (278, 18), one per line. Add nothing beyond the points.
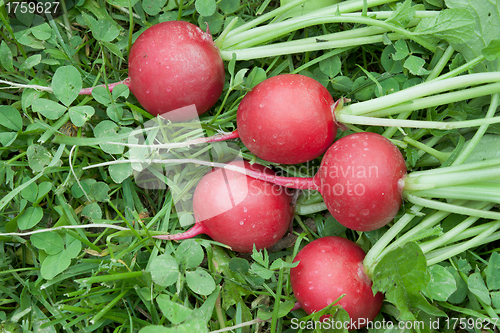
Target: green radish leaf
(331, 66)
(153, 7)
(73, 246)
(174, 312)
(200, 281)
(229, 6)
(120, 90)
(205, 7)
(415, 65)
(478, 287)
(214, 21)
(108, 128)
(239, 77)
(7, 138)
(49, 109)
(114, 49)
(256, 76)
(30, 218)
(486, 14)
(279, 263)
(50, 242)
(6, 57)
(102, 95)
(402, 50)
(452, 25)
(43, 189)
(389, 86)
(261, 271)
(462, 290)
(86, 184)
(239, 265)
(120, 172)
(464, 266)
(80, 114)
(92, 211)
(388, 62)
(31, 62)
(30, 192)
(284, 309)
(10, 118)
(402, 275)
(204, 312)
(189, 254)
(164, 270)
(493, 272)
(342, 84)
(38, 157)
(495, 299)
(30, 95)
(441, 284)
(54, 265)
(99, 191)
(492, 51)
(42, 31)
(66, 84)
(403, 14)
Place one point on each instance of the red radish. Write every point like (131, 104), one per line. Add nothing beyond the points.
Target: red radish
(238, 210)
(329, 268)
(361, 179)
(173, 65)
(287, 119)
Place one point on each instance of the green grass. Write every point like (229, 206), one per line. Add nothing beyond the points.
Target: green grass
(76, 246)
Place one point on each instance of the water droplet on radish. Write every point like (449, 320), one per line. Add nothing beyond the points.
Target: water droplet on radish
(365, 212)
(147, 91)
(280, 140)
(329, 301)
(311, 287)
(365, 143)
(261, 105)
(259, 127)
(245, 209)
(306, 304)
(329, 274)
(169, 89)
(241, 222)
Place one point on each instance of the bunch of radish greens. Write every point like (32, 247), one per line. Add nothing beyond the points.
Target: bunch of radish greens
(92, 180)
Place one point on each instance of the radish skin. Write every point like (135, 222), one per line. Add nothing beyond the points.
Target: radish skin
(330, 267)
(238, 210)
